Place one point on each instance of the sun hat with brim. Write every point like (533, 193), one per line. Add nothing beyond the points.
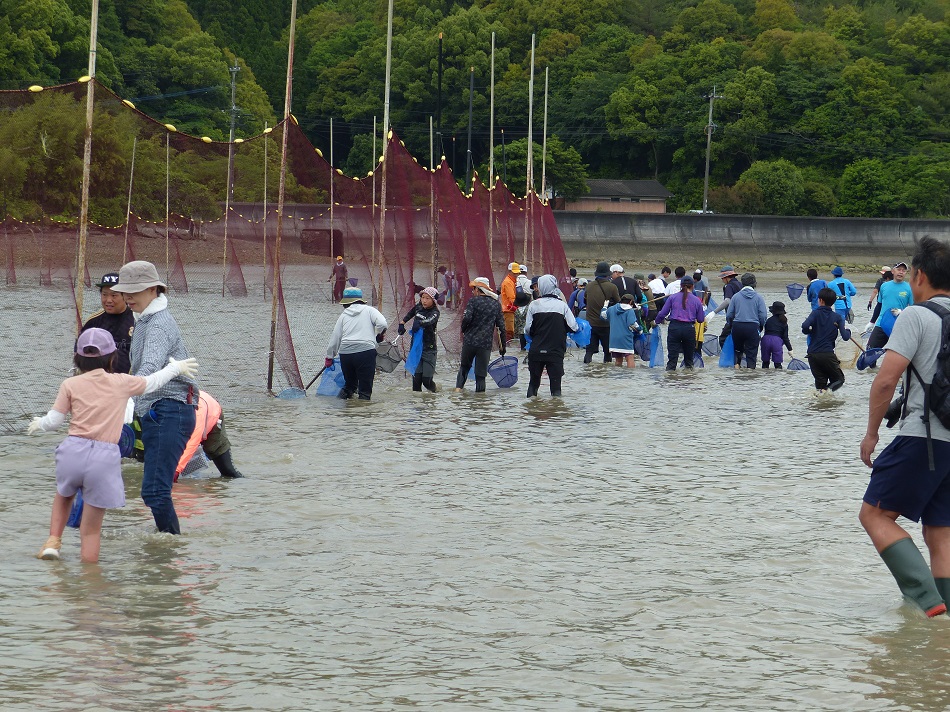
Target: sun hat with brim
(777, 308)
(137, 276)
(95, 342)
(480, 282)
(727, 271)
(351, 295)
(108, 280)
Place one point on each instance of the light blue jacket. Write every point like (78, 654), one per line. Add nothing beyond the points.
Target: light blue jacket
(844, 300)
(747, 306)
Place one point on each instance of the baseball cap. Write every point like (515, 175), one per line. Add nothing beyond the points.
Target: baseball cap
(901, 264)
(95, 342)
(616, 268)
(885, 269)
(108, 280)
(350, 295)
(698, 270)
(514, 268)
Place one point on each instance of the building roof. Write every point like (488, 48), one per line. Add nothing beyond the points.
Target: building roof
(608, 188)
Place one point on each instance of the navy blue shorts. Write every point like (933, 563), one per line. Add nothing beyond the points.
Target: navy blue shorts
(901, 481)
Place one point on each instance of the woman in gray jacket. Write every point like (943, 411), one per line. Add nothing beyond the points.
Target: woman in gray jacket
(357, 331)
(167, 414)
(747, 315)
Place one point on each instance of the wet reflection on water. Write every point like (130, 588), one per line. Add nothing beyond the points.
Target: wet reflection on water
(650, 541)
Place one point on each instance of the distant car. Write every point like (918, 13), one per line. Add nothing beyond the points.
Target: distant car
(702, 212)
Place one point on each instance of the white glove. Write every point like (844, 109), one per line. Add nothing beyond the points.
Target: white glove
(35, 425)
(186, 367)
(129, 411)
(709, 317)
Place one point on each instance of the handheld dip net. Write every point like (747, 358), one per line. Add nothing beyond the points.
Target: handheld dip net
(254, 301)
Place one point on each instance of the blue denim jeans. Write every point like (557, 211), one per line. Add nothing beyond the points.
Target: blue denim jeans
(165, 432)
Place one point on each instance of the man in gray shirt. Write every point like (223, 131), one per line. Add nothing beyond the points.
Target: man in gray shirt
(911, 476)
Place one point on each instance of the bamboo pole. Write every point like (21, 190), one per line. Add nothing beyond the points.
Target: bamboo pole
(86, 164)
(267, 131)
(332, 171)
(491, 153)
(281, 190)
(386, 136)
(530, 160)
(168, 153)
(128, 205)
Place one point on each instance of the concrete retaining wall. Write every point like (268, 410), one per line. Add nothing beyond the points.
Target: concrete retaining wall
(696, 237)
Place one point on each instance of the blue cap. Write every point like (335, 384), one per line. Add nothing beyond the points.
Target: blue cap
(837, 271)
(352, 294)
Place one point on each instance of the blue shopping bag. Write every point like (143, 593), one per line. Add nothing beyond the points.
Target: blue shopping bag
(332, 381)
(415, 351)
(656, 348)
(727, 358)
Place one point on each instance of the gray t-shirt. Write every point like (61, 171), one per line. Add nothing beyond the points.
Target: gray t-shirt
(916, 337)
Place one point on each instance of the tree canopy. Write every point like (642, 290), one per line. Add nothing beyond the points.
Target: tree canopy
(839, 109)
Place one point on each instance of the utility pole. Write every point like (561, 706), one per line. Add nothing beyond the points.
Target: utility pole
(234, 112)
(710, 127)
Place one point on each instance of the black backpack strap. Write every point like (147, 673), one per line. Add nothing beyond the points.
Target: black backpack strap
(944, 315)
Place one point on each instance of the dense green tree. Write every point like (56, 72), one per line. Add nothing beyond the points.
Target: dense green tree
(566, 174)
(822, 87)
(781, 184)
(866, 189)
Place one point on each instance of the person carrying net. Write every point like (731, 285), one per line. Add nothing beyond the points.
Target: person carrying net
(425, 320)
(482, 316)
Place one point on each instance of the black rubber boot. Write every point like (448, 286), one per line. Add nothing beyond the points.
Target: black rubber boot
(913, 576)
(225, 466)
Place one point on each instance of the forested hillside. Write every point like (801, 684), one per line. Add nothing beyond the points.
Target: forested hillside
(827, 108)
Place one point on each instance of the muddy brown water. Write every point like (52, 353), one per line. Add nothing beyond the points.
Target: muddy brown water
(651, 541)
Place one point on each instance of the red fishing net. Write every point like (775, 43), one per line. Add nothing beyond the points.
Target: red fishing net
(159, 195)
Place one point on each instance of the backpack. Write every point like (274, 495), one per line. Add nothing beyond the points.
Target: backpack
(849, 317)
(937, 393)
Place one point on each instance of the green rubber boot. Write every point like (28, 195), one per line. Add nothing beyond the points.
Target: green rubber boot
(913, 576)
(943, 588)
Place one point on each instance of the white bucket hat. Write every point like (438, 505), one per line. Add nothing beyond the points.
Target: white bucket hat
(137, 276)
